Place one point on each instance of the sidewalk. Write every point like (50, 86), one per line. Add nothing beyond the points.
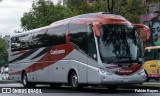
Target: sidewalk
(154, 84)
(151, 83)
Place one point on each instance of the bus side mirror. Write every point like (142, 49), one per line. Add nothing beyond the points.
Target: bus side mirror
(143, 31)
(96, 29)
(94, 56)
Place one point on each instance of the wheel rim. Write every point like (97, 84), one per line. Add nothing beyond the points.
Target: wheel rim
(74, 80)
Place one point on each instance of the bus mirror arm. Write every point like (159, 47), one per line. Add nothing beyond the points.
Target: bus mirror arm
(96, 28)
(143, 31)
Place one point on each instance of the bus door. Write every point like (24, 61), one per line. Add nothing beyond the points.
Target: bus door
(79, 36)
(79, 39)
(92, 60)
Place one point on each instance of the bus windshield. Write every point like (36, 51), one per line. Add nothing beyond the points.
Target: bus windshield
(152, 54)
(119, 44)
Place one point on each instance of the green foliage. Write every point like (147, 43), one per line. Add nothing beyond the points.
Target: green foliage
(80, 7)
(3, 53)
(130, 9)
(43, 13)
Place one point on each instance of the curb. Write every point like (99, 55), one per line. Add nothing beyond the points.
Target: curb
(7, 81)
(152, 83)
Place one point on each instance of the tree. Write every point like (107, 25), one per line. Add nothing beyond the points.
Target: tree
(3, 53)
(79, 7)
(43, 13)
(130, 9)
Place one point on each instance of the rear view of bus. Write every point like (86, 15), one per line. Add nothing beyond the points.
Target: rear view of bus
(152, 62)
(90, 49)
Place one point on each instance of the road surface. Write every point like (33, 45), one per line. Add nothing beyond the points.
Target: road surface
(46, 90)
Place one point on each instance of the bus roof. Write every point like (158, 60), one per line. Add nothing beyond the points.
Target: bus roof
(101, 17)
(152, 47)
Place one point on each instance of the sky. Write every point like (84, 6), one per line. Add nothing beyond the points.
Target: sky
(11, 11)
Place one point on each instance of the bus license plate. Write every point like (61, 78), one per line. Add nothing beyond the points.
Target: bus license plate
(125, 80)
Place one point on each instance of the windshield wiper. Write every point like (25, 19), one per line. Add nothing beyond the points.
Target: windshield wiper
(116, 59)
(112, 60)
(122, 59)
(130, 61)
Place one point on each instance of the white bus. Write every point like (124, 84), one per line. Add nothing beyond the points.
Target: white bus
(88, 49)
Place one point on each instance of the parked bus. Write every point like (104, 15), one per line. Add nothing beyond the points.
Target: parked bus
(89, 49)
(152, 62)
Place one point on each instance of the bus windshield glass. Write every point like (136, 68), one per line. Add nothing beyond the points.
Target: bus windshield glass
(152, 54)
(119, 44)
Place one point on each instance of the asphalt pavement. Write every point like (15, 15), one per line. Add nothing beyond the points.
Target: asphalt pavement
(46, 90)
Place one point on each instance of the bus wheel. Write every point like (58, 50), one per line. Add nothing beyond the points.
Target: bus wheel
(74, 81)
(157, 79)
(25, 81)
(147, 78)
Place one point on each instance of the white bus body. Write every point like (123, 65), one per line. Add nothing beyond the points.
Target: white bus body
(95, 48)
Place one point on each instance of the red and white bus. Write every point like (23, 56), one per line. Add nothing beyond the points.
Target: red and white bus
(88, 49)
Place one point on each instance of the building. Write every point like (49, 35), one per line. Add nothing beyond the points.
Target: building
(152, 19)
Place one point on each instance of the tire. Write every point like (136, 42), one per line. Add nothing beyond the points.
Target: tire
(157, 79)
(25, 81)
(74, 81)
(147, 78)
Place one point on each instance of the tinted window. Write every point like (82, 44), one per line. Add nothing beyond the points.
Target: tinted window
(152, 54)
(56, 36)
(78, 37)
(91, 44)
(46, 38)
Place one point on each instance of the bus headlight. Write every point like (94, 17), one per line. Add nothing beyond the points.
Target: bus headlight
(104, 72)
(141, 72)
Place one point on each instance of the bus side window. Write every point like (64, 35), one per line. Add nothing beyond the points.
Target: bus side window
(78, 37)
(91, 44)
(56, 36)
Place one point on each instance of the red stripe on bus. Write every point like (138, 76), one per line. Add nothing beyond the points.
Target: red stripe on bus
(128, 70)
(20, 52)
(52, 58)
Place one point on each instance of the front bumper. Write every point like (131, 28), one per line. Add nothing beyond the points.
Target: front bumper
(113, 79)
